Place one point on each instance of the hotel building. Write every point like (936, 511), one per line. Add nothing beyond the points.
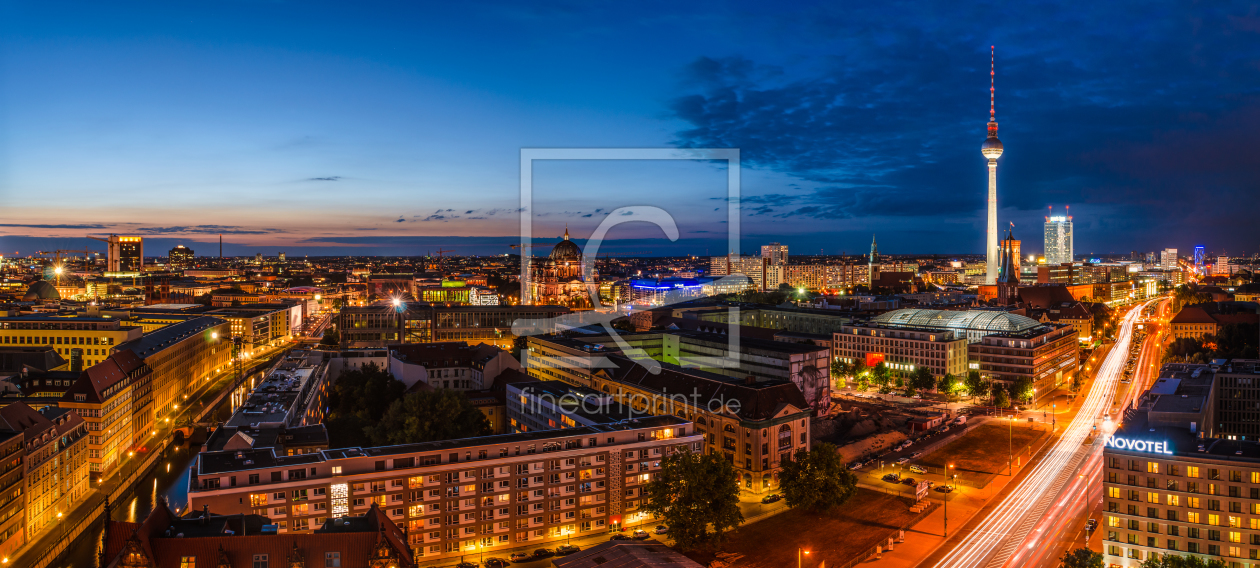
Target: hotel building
(1179, 476)
(457, 496)
(903, 348)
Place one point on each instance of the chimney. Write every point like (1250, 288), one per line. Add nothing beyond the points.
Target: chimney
(205, 514)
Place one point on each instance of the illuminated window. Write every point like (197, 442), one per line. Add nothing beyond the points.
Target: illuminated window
(187, 562)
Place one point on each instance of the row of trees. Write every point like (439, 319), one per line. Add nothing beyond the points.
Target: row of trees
(371, 408)
(697, 495)
(886, 380)
(1232, 340)
(1086, 558)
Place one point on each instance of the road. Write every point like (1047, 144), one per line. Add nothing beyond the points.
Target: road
(1065, 529)
(1009, 534)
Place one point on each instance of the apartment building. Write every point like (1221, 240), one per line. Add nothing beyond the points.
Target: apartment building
(449, 364)
(757, 425)
(260, 324)
(114, 398)
(12, 506)
(93, 337)
(180, 356)
(55, 464)
(903, 348)
(456, 496)
(1048, 355)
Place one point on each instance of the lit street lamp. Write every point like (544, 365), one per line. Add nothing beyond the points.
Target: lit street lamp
(799, 551)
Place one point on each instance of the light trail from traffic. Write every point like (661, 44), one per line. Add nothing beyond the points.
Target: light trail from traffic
(996, 539)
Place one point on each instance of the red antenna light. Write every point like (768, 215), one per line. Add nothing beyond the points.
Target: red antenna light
(992, 111)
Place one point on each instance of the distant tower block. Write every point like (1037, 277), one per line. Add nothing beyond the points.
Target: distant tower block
(992, 150)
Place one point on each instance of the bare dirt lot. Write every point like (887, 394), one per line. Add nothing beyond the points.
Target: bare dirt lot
(866, 520)
(984, 452)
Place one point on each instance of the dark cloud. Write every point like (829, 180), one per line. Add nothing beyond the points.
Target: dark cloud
(201, 229)
(1121, 112)
(329, 178)
(64, 226)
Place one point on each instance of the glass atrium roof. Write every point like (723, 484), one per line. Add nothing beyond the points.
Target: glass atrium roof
(975, 320)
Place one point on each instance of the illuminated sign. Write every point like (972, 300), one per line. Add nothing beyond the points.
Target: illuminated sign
(873, 359)
(1137, 445)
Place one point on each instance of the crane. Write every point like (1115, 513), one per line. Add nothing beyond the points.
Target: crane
(57, 259)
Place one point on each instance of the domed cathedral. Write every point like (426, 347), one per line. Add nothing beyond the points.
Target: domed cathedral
(557, 279)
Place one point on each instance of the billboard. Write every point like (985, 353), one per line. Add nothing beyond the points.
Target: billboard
(873, 359)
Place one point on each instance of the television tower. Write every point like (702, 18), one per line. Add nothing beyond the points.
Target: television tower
(992, 149)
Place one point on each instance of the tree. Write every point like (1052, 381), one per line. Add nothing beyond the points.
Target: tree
(1082, 558)
(428, 416)
(975, 384)
(1022, 389)
(948, 385)
(1000, 398)
(1175, 561)
(922, 379)
(817, 480)
(331, 337)
(693, 493)
(839, 370)
(1078, 381)
(359, 397)
(880, 375)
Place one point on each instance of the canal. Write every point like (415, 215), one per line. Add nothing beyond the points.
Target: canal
(167, 479)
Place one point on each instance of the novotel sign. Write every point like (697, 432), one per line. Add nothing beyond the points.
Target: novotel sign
(1137, 445)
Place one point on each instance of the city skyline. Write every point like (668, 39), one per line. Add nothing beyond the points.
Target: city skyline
(348, 133)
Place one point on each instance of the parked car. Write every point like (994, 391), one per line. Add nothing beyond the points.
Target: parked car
(916, 455)
(944, 489)
(493, 562)
(855, 465)
(917, 469)
(543, 553)
(902, 460)
(466, 564)
(641, 534)
(661, 529)
(618, 536)
(1091, 525)
(892, 477)
(567, 549)
(960, 420)
(771, 498)
(520, 557)
(944, 428)
(908, 481)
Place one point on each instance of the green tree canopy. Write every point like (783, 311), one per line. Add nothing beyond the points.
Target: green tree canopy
(922, 378)
(331, 337)
(1022, 389)
(1177, 561)
(817, 480)
(358, 398)
(697, 496)
(1001, 399)
(428, 416)
(975, 384)
(1082, 558)
(948, 385)
(880, 375)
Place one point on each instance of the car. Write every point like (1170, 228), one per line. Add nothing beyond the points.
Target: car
(1091, 524)
(466, 564)
(908, 481)
(520, 557)
(902, 460)
(892, 477)
(855, 465)
(661, 529)
(543, 553)
(917, 469)
(916, 455)
(567, 549)
(493, 562)
(944, 428)
(771, 498)
(640, 534)
(618, 536)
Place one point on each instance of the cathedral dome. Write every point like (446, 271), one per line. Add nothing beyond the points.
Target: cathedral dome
(41, 290)
(566, 250)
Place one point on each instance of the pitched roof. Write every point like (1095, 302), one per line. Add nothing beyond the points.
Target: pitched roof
(1044, 296)
(626, 554)
(95, 379)
(1193, 314)
(757, 400)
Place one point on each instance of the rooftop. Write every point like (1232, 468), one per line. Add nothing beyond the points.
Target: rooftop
(155, 341)
(973, 320)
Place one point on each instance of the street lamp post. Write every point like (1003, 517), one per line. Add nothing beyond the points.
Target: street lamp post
(945, 498)
(799, 551)
(1010, 447)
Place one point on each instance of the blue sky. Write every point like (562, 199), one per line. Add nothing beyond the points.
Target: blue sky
(332, 128)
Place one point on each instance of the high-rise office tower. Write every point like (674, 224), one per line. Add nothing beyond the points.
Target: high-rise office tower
(125, 254)
(992, 150)
(1060, 247)
(1168, 259)
(1200, 259)
(775, 254)
(181, 256)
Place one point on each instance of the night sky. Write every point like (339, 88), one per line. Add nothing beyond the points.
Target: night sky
(396, 128)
